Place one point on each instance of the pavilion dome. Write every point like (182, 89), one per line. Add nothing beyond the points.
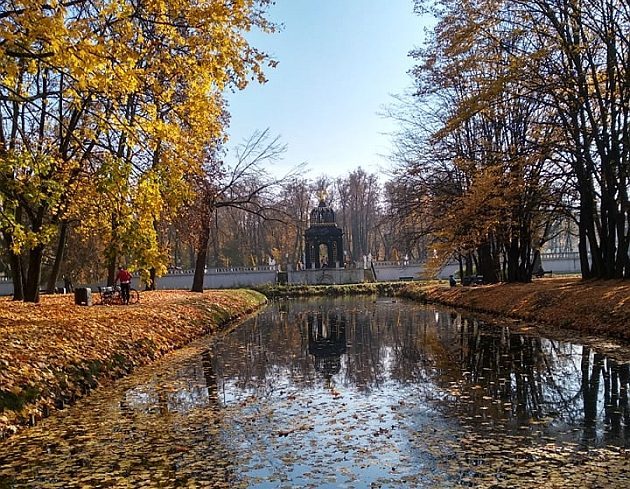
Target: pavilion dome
(322, 214)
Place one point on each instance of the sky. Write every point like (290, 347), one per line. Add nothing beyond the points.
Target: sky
(340, 62)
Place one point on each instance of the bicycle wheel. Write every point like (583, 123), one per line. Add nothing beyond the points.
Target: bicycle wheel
(134, 296)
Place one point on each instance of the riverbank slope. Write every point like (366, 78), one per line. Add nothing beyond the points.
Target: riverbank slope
(597, 307)
(55, 352)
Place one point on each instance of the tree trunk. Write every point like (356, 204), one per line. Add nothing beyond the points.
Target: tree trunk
(202, 253)
(513, 253)
(111, 271)
(16, 269)
(31, 290)
(61, 246)
(151, 284)
(152, 272)
(215, 240)
(486, 265)
(469, 264)
(586, 236)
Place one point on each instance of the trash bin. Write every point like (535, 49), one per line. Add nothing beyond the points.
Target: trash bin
(283, 278)
(83, 296)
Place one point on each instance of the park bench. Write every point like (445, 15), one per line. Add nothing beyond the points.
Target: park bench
(541, 273)
(406, 278)
(472, 280)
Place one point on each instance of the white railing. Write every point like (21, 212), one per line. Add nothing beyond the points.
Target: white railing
(564, 255)
(191, 271)
(264, 268)
(397, 263)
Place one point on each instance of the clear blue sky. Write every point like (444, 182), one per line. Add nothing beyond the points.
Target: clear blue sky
(339, 63)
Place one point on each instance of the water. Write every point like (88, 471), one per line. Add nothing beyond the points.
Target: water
(345, 393)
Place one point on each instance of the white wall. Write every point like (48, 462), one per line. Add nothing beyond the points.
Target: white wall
(390, 271)
(327, 276)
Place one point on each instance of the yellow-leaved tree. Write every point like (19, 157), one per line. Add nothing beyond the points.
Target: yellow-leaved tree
(121, 99)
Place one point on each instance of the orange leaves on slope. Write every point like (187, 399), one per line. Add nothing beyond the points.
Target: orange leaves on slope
(56, 351)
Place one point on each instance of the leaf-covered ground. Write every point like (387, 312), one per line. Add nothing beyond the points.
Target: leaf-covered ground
(54, 352)
(590, 307)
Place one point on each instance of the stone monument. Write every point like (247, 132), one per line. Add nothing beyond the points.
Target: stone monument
(323, 239)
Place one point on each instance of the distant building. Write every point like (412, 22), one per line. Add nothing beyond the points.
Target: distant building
(323, 239)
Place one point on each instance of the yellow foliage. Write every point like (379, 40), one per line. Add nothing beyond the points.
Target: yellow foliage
(140, 90)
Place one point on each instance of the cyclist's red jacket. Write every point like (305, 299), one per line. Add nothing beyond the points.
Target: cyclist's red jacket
(124, 276)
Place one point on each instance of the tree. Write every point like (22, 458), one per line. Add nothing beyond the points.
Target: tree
(571, 58)
(583, 57)
(140, 82)
(358, 196)
(485, 154)
(243, 186)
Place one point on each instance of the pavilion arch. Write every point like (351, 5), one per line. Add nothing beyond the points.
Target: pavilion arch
(323, 239)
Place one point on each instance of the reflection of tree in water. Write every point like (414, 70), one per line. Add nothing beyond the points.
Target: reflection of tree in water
(490, 374)
(160, 427)
(367, 336)
(210, 377)
(263, 351)
(514, 379)
(416, 347)
(326, 340)
(194, 386)
(599, 372)
(277, 345)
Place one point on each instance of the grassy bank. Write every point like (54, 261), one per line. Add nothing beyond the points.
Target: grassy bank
(54, 352)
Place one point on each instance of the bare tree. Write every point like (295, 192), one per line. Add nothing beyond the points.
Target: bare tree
(246, 186)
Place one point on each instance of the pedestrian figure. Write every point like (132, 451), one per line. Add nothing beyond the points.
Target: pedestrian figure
(67, 284)
(125, 283)
(451, 280)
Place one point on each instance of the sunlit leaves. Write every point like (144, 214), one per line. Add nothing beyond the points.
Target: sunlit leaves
(38, 183)
(55, 352)
(85, 84)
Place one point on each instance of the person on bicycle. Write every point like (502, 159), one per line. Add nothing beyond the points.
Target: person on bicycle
(124, 277)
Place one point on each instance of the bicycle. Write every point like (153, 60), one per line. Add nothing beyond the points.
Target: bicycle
(112, 295)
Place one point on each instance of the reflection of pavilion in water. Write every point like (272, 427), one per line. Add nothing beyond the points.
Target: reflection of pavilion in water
(326, 341)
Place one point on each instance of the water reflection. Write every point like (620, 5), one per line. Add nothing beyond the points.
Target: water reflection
(194, 386)
(487, 377)
(344, 393)
(326, 340)
(556, 389)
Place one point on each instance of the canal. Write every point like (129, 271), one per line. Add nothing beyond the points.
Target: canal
(353, 393)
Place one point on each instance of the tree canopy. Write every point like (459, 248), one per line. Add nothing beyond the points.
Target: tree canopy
(520, 120)
(105, 106)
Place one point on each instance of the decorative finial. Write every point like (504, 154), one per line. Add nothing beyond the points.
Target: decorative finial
(322, 194)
